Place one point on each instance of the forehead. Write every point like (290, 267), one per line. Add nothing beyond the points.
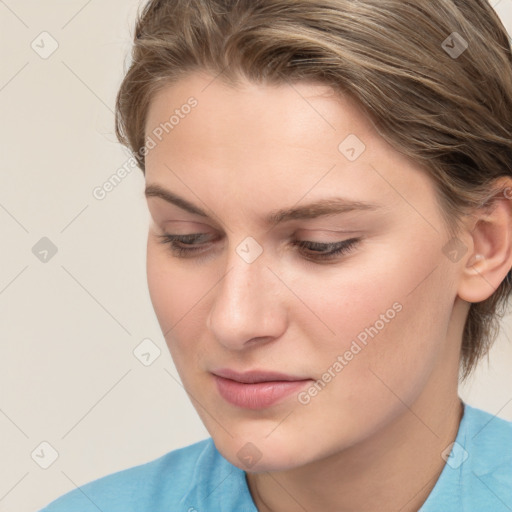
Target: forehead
(258, 123)
(248, 139)
(309, 104)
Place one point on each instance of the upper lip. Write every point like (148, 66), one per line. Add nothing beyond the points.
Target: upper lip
(252, 376)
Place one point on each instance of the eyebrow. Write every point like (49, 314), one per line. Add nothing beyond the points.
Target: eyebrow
(327, 206)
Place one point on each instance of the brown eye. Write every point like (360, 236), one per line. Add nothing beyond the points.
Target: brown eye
(188, 243)
(183, 246)
(322, 251)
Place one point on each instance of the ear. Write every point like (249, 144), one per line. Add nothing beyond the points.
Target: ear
(490, 234)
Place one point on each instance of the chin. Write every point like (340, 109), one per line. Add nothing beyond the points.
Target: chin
(256, 454)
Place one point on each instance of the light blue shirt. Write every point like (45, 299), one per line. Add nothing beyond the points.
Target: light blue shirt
(477, 477)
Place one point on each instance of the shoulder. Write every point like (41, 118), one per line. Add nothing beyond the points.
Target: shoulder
(478, 471)
(485, 460)
(153, 486)
(485, 435)
(488, 445)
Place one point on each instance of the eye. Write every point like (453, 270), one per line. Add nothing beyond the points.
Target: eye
(189, 243)
(323, 251)
(183, 246)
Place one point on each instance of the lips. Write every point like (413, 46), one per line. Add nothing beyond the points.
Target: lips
(253, 376)
(256, 389)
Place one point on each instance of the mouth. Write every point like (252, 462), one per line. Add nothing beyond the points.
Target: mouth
(256, 389)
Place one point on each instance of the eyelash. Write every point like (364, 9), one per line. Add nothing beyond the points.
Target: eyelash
(333, 250)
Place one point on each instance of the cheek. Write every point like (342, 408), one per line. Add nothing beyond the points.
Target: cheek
(179, 298)
(163, 286)
(374, 363)
(175, 294)
(390, 317)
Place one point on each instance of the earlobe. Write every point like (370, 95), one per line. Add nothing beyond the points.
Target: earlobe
(491, 259)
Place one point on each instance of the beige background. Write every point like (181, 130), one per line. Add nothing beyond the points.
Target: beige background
(68, 373)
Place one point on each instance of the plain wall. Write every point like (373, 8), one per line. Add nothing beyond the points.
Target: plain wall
(68, 373)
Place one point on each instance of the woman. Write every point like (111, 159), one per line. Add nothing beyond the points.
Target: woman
(330, 186)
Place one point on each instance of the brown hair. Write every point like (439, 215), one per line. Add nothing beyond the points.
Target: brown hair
(450, 112)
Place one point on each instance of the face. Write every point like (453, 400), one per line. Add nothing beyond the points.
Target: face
(354, 307)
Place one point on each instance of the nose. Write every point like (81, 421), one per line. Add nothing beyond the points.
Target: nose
(247, 307)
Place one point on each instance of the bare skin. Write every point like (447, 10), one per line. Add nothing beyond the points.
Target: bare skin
(371, 439)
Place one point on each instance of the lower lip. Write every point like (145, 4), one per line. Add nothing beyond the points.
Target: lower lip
(259, 394)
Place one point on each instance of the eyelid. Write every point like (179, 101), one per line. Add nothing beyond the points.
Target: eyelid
(329, 251)
(294, 236)
(338, 232)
